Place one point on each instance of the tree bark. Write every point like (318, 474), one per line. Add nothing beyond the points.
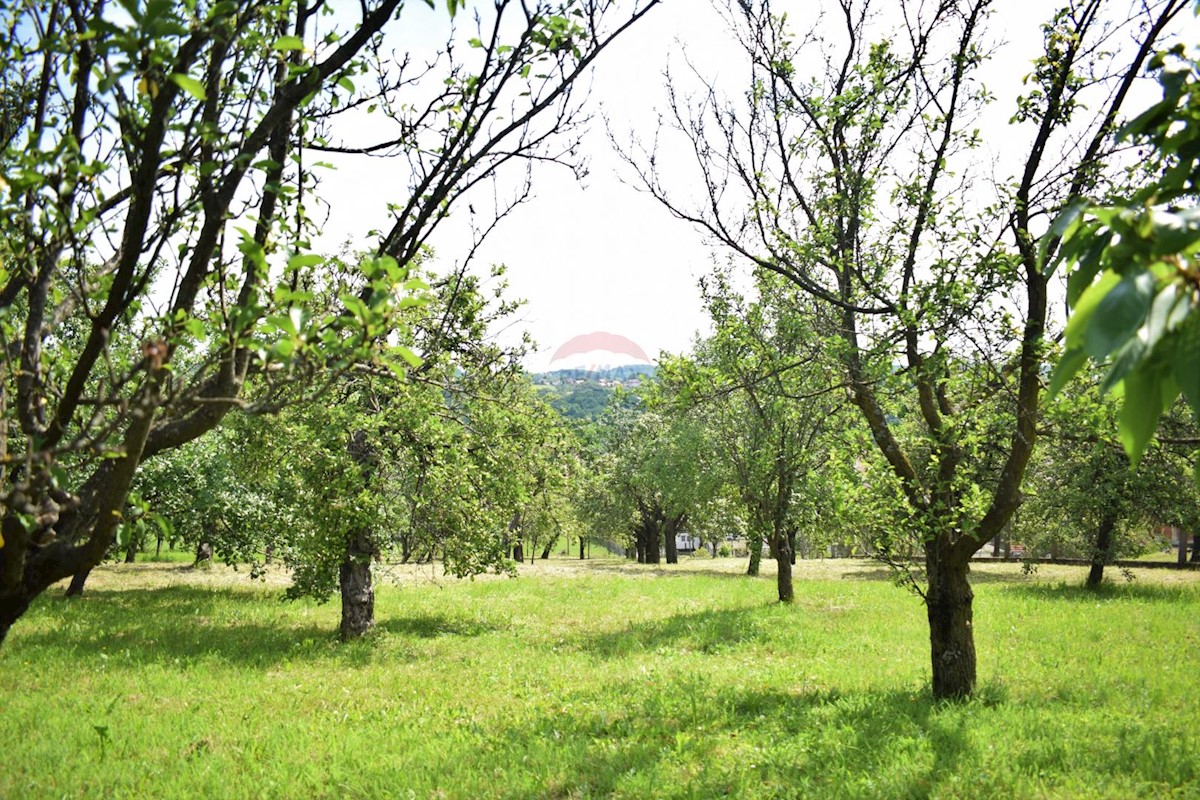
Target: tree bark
(204, 554)
(1195, 548)
(670, 529)
(949, 600)
(358, 595)
(582, 554)
(518, 552)
(755, 545)
(1102, 552)
(10, 612)
(75, 589)
(783, 577)
(653, 545)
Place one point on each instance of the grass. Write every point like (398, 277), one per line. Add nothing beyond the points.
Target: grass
(600, 680)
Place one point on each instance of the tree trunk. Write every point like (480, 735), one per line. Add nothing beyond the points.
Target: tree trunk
(75, 589)
(791, 537)
(131, 550)
(1196, 548)
(354, 579)
(11, 611)
(670, 529)
(1182, 546)
(518, 552)
(1102, 552)
(582, 555)
(948, 600)
(783, 578)
(653, 544)
(204, 554)
(755, 544)
(158, 547)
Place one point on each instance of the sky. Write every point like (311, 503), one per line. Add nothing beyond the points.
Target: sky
(599, 255)
(587, 256)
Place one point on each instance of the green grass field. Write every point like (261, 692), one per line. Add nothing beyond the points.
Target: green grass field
(600, 680)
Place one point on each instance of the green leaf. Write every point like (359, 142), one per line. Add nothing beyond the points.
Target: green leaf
(303, 260)
(346, 84)
(1119, 314)
(1158, 321)
(408, 355)
(194, 327)
(283, 349)
(1066, 368)
(1140, 412)
(1185, 366)
(1062, 227)
(1089, 262)
(286, 43)
(190, 85)
(1127, 359)
(1078, 324)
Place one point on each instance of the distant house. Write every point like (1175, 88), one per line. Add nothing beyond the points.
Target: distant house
(686, 542)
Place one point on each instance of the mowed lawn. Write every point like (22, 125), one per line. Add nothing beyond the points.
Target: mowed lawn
(598, 680)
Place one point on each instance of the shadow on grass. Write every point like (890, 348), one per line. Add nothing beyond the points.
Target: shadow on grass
(429, 626)
(713, 631)
(1078, 593)
(184, 623)
(703, 741)
(662, 570)
(886, 574)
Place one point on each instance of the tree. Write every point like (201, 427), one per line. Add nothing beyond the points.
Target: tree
(765, 393)
(429, 466)
(155, 229)
(853, 185)
(656, 469)
(1084, 498)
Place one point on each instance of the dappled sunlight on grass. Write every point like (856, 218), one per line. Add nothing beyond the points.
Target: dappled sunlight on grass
(597, 679)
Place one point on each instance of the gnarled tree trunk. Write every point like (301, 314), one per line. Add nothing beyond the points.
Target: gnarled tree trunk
(1102, 552)
(354, 580)
(948, 600)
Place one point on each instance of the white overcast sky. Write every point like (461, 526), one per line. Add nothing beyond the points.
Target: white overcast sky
(600, 256)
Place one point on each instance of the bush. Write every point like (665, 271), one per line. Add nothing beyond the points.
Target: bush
(725, 550)
(701, 552)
